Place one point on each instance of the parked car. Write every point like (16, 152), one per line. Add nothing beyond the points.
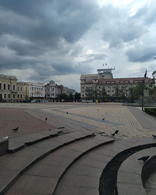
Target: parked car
(33, 101)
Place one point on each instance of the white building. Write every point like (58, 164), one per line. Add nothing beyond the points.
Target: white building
(36, 90)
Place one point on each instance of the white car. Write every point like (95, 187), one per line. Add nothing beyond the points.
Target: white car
(33, 101)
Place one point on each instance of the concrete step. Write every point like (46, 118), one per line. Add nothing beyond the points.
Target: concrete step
(18, 143)
(13, 165)
(43, 177)
(131, 176)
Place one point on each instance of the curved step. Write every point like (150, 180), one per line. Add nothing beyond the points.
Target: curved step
(18, 143)
(127, 148)
(13, 165)
(129, 178)
(44, 177)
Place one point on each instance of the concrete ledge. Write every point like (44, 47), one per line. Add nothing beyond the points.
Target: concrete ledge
(3, 146)
(133, 173)
(148, 168)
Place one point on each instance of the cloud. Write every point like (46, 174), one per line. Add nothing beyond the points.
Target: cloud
(60, 39)
(141, 53)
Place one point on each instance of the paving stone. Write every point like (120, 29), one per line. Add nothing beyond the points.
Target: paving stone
(85, 170)
(54, 159)
(47, 170)
(34, 184)
(130, 189)
(129, 178)
(81, 181)
(15, 146)
(64, 190)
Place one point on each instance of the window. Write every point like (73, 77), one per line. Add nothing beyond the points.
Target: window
(4, 86)
(0, 86)
(108, 91)
(4, 95)
(103, 82)
(112, 91)
(18, 88)
(8, 95)
(126, 81)
(21, 95)
(99, 87)
(21, 88)
(13, 87)
(121, 81)
(82, 87)
(18, 96)
(8, 86)
(13, 95)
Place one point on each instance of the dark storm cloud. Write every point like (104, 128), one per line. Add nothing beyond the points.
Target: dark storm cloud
(141, 53)
(52, 19)
(43, 28)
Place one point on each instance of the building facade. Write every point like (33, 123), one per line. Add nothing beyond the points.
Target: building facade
(22, 91)
(104, 82)
(53, 91)
(8, 88)
(36, 90)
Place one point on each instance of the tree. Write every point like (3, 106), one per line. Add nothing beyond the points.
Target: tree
(63, 96)
(77, 96)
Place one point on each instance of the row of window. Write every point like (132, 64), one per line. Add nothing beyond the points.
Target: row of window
(108, 87)
(14, 96)
(5, 88)
(36, 89)
(112, 82)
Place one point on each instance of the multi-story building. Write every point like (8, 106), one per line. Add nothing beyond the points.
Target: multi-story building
(36, 90)
(68, 91)
(22, 91)
(53, 90)
(8, 88)
(104, 82)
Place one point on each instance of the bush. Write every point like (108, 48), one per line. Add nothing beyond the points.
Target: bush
(151, 111)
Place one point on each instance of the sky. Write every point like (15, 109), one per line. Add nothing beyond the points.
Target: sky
(43, 40)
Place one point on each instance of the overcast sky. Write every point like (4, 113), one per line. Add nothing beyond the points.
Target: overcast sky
(43, 40)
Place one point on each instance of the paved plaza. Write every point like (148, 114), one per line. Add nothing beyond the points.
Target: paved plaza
(30, 118)
(66, 153)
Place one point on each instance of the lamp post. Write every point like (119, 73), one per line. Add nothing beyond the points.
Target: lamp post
(142, 94)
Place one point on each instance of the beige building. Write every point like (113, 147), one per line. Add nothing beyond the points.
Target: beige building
(104, 82)
(22, 91)
(8, 88)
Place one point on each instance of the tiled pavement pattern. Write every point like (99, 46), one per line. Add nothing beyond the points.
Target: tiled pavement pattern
(131, 122)
(11, 118)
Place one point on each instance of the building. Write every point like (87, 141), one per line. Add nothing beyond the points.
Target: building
(104, 82)
(68, 91)
(36, 90)
(22, 91)
(8, 88)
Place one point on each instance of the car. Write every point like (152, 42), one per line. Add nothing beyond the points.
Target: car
(33, 101)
